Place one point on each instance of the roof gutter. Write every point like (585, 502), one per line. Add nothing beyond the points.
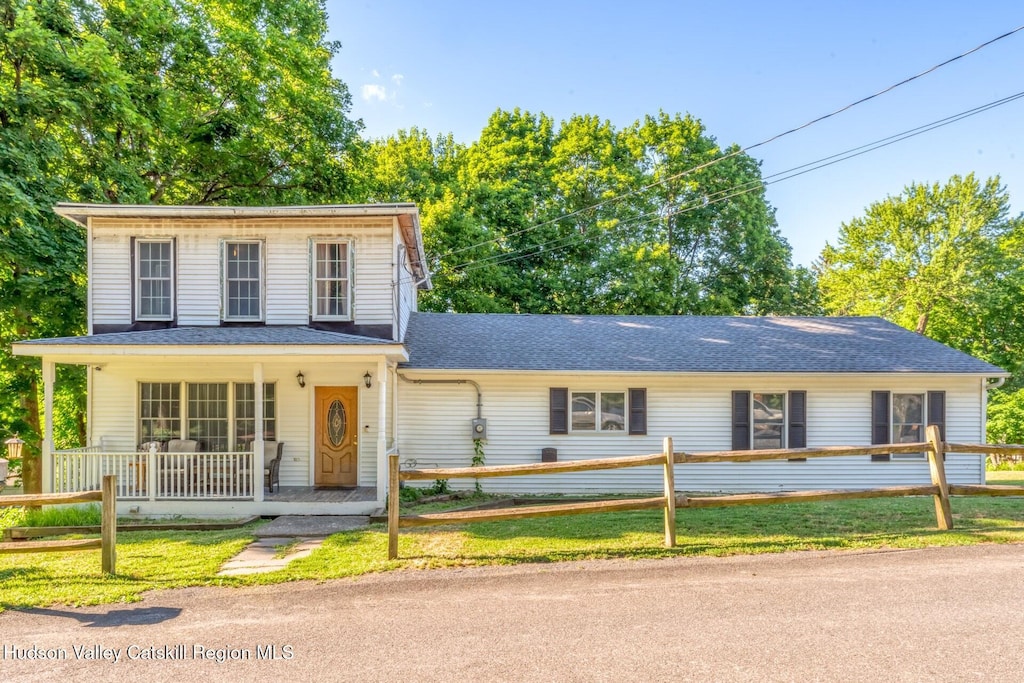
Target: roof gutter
(999, 381)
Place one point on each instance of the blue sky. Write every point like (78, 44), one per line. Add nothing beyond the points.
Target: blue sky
(747, 70)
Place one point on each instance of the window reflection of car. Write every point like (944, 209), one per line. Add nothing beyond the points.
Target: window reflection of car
(762, 413)
(583, 411)
(767, 426)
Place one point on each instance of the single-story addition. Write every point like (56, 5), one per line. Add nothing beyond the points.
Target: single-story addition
(267, 360)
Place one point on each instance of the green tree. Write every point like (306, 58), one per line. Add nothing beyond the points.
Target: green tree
(155, 101)
(946, 261)
(920, 259)
(585, 218)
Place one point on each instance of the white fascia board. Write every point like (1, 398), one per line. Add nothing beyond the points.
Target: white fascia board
(410, 372)
(79, 213)
(75, 353)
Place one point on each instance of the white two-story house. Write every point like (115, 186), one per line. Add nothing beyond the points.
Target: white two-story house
(217, 331)
(228, 327)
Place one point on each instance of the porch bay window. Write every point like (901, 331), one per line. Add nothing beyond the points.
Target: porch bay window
(220, 416)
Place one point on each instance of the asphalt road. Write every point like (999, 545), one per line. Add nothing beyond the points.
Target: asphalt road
(944, 614)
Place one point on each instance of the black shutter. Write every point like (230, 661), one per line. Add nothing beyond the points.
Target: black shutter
(558, 418)
(797, 422)
(637, 411)
(741, 420)
(937, 412)
(880, 424)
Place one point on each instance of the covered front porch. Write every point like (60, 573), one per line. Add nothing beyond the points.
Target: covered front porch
(199, 484)
(186, 429)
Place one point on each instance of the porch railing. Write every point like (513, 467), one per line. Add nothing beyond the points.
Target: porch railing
(157, 476)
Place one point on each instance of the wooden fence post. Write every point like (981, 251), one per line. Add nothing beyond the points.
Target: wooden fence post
(108, 524)
(937, 467)
(393, 506)
(670, 495)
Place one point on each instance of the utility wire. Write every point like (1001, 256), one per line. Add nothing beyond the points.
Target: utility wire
(737, 151)
(745, 188)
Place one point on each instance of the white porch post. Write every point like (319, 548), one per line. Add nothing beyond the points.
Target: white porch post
(382, 428)
(257, 444)
(49, 374)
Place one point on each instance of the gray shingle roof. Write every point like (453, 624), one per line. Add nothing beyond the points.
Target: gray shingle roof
(677, 344)
(234, 336)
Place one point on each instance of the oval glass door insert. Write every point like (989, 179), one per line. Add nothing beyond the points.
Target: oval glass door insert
(336, 423)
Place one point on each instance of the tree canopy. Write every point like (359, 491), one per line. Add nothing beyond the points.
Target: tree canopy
(149, 101)
(581, 217)
(946, 260)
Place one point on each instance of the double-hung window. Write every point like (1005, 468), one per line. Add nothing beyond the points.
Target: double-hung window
(154, 279)
(159, 411)
(769, 419)
(221, 416)
(245, 414)
(243, 281)
(332, 280)
(903, 417)
(598, 411)
(583, 412)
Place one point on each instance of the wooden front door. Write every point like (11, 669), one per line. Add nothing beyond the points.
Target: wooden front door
(337, 437)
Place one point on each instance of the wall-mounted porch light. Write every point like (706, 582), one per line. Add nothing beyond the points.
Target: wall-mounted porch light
(301, 380)
(367, 379)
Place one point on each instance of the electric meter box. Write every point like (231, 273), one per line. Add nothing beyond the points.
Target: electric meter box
(479, 427)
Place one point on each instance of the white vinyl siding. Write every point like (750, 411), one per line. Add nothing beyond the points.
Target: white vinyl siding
(406, 294)
(111, 285)
(286, 267)
(694, 410)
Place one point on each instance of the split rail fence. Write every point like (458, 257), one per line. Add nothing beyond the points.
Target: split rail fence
(935, 449)
(107, 542)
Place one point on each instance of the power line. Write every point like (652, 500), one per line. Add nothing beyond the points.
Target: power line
(745, 188)
(885, 90)
(737, 152)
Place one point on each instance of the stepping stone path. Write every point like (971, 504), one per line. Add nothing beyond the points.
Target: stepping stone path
(301, 536)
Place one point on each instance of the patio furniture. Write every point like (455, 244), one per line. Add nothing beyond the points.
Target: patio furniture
(272, 468)
(175, 475)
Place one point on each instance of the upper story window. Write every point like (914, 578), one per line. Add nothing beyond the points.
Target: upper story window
(243, 280)
(332, 281)
(154, 279)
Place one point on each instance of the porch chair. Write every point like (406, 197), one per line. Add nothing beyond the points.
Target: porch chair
(176, 476)
(272, 467)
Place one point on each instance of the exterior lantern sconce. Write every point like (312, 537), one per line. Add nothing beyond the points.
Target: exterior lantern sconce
(367, 379)
(14, 445)
(301, 380)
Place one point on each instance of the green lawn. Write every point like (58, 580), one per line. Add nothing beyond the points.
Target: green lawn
(148, 560)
